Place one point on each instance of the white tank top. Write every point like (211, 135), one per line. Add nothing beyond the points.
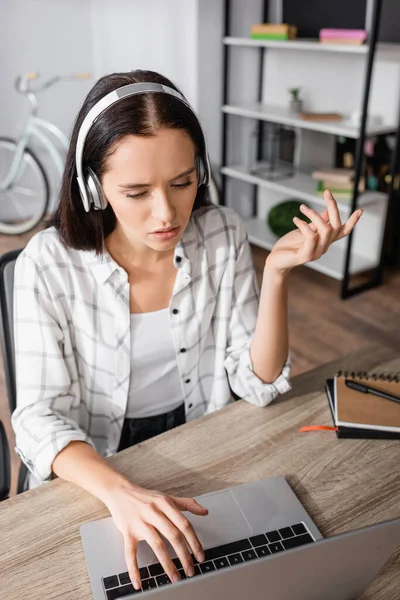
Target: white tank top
(154, 385)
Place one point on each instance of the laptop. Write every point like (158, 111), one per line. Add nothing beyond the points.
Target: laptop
(259, 543)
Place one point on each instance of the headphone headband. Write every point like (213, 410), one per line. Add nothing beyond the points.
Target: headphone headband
(102, 105)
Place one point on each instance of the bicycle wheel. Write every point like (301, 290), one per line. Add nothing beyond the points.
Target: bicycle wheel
(24, 202)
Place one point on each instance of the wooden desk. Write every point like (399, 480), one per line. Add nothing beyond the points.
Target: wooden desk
(343, 484)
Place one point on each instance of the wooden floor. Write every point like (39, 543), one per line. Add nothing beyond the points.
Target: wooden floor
(322, 327)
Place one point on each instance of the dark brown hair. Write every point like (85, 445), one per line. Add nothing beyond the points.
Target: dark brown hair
(142, 114)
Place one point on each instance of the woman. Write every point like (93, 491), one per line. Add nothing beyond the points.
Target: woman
(138, 309)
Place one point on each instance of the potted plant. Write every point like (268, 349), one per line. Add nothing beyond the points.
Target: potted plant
(296, 103)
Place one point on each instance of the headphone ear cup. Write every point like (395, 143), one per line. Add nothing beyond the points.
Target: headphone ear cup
(97, 200)
(201, 172)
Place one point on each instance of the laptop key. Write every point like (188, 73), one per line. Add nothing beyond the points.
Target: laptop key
(196, 570)
(163, 580)
(182, 573)
(273, 536)
(262, 551)
(121, 592)
(221, 563)
(149, 584)
(286, 532)
(156, 569)
(124, 578)
(249, 555)
(144, 573)
(235, 559)
(207, 567)
(110, 582)
(177, 563)
(258, 540)
(297, 541)
(276, 547)
(233, 548)
(299, 529)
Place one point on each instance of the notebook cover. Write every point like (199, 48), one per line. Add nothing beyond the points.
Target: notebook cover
(354, 432)
(366, 411)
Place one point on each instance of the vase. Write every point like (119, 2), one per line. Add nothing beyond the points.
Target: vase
(296, 106)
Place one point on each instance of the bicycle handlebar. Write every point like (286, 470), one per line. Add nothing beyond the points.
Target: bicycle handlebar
(22, 81)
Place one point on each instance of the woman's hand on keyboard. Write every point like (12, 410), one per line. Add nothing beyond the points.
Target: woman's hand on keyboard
(142, 514)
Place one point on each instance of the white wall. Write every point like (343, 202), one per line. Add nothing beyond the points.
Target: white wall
(179, 38)
(210, 76)
(49, 36)
(151, 34)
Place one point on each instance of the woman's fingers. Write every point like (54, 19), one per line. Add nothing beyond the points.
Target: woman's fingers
(185, 527)
(350, 223)
(324, 215)
(311, 239)
(160, 550)
(333, 210)
(323, 229)
(190, 504)
(178, 541)
(315, 218)
(130, 546)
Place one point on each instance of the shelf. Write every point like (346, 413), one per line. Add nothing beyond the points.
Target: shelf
(331, 263)
(300, 186)
(300, 44)
(283, 116)
(387, 50)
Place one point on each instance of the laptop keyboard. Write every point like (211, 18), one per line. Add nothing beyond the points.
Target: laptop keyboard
(154, 576)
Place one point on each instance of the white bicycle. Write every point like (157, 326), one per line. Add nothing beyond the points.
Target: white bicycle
(24, 185)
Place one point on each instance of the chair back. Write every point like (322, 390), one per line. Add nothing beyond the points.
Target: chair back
(7, 266)
(5, 472)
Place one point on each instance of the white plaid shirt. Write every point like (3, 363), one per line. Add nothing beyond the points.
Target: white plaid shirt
(72, 336)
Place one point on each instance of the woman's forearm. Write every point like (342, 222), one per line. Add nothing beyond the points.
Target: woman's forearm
(270, 345)
(80, 464)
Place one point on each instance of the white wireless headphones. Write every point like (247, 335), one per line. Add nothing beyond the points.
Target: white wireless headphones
(89, 184)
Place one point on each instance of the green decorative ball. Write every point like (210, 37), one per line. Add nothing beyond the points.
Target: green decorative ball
(280, 217)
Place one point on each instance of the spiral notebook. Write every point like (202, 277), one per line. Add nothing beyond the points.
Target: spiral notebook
(365, 415)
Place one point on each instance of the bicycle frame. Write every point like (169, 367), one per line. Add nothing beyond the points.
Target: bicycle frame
(40, 129)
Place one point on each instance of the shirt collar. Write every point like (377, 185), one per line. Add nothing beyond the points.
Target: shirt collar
(103, 266)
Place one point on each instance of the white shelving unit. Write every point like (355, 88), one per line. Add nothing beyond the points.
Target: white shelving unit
(301, 185)
(283, 116)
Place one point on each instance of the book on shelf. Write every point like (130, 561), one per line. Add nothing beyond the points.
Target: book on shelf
(341, 175)
(341, 186)
(357, 36)
(273, 31)
(319, 116)
(338, 194)
(342, 192)
(347, 42)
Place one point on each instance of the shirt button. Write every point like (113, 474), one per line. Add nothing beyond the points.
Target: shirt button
(190, 405)
(178, 259)
(175, 311)
(183, 349)
(187, 380)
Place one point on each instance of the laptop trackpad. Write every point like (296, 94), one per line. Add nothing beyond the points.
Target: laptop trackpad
(224, 523)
